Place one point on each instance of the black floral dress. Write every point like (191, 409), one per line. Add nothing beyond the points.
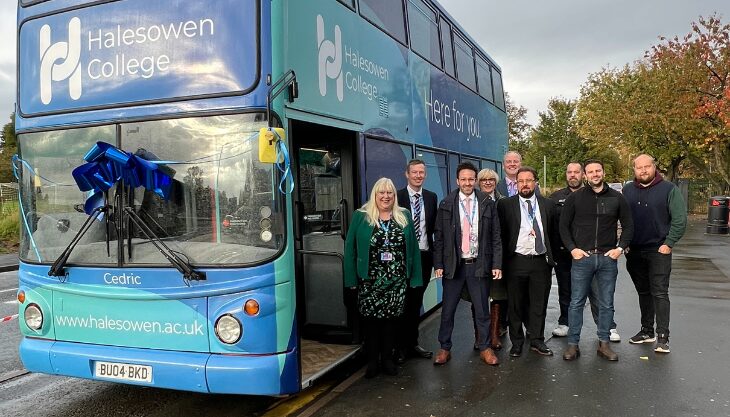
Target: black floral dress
(383, 294)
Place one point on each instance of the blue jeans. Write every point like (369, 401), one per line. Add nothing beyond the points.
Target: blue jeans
(604, 270)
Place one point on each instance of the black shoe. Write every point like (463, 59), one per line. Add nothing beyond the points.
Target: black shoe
(541, 348)
(419, 352)
(515, 351)
(399, 356)
(373, 370)
(476, 346)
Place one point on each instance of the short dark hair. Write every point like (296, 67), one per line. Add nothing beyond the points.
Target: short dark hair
(465, 165)
(575, 162)
(592, 161)
(528, 169)
(414, 162)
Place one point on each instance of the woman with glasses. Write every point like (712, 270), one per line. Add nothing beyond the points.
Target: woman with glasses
(381, 259)
(487, 179)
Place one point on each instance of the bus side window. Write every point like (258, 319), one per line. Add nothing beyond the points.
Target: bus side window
(447, 47)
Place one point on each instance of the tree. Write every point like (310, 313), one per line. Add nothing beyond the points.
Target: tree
(517, 125)
(8, 148)
(556, 139)
(639, 109)
(700, 63)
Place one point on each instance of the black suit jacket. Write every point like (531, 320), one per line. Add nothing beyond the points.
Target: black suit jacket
(430, 201)
(447, 236)
(509, 220)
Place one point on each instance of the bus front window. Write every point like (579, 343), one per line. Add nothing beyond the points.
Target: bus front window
(51, 203)
(223, 206)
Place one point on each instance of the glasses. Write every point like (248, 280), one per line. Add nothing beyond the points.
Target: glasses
(488, 180)
(525, 181)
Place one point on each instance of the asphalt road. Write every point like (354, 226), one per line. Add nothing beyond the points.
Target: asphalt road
(693, 380)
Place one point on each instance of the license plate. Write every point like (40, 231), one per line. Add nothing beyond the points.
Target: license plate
(123, 371)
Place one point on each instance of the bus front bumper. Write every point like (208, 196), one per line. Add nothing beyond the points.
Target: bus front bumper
(187, 371)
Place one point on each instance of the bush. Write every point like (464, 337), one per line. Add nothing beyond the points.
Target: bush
(9, 227)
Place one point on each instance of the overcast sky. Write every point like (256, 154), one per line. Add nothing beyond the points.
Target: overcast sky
(545, 48)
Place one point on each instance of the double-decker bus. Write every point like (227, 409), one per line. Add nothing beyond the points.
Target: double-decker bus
(162, 243)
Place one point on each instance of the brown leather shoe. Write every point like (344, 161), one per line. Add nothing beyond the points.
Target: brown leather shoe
(605, 351)
(489, 357)
(571, 353)
(442, 357)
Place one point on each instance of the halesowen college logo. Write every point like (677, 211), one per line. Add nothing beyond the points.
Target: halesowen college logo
(60, 61)
(330, 59)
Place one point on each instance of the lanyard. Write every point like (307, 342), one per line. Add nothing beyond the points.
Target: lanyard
(386, 229)
(469, 218)
(530, 218)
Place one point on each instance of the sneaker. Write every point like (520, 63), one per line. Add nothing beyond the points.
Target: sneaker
(642, 337)
(560, 331)
(614, 336)
(662, 345)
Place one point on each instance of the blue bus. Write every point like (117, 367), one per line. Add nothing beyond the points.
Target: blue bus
(188, 169)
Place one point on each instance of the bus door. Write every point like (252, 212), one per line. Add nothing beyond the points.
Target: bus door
(324, 201)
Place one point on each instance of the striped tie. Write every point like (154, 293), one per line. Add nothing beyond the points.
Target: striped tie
(417, 215)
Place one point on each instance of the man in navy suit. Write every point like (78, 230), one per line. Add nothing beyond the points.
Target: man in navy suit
(467, 253)
(526, 222)
(422, 204)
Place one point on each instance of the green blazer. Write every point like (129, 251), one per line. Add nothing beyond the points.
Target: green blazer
(357, 251)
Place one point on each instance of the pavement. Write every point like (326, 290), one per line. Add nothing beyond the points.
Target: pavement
(693, 380)
(9, 262)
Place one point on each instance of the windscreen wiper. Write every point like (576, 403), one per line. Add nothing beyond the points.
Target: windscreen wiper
(57, 269)
(187, 271)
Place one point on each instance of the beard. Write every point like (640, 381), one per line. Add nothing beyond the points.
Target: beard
(574, 183)
(646, 181)
(527, 194)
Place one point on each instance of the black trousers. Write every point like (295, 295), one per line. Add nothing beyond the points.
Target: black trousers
(379, 338)
(528, 289)
(408, 329)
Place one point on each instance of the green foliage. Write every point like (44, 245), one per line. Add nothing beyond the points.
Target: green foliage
(9, 147)
(556, 139)
(9, 227)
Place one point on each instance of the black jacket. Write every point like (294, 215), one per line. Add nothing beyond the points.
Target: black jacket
(589, 220)
(430, 201)
(510, 217)
(447, 236)
(559, 197)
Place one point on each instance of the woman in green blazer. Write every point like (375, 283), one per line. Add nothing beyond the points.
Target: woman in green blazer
(381, 259)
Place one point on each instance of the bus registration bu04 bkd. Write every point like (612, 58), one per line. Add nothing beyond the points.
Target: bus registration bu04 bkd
(123, 371)
(165, 242)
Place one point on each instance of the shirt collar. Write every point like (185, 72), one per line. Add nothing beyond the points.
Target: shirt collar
(463, 196)
(532, 199)
(411, 191)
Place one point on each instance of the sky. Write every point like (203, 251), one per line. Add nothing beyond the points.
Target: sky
(546, 49)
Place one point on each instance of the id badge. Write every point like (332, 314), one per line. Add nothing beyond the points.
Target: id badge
(530, 245)
(386, 256)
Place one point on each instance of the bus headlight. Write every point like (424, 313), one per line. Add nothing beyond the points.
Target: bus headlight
(228, 329)
(33, 316)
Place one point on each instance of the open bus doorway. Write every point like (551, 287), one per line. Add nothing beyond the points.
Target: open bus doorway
(324, 198)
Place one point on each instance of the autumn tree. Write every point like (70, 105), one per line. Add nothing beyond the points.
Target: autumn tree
(700, 65)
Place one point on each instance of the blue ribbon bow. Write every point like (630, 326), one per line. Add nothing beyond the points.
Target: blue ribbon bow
(106, 165)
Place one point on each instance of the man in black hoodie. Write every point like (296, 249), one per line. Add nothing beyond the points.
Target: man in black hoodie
(588, 228)
(660, 214)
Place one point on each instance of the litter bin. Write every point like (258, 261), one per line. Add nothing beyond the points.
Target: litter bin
(718, 211)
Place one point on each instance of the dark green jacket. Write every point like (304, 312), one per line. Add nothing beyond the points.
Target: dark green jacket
(357, 251)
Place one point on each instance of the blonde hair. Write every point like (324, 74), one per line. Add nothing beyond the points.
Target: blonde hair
(487, 173)
(370, 208)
